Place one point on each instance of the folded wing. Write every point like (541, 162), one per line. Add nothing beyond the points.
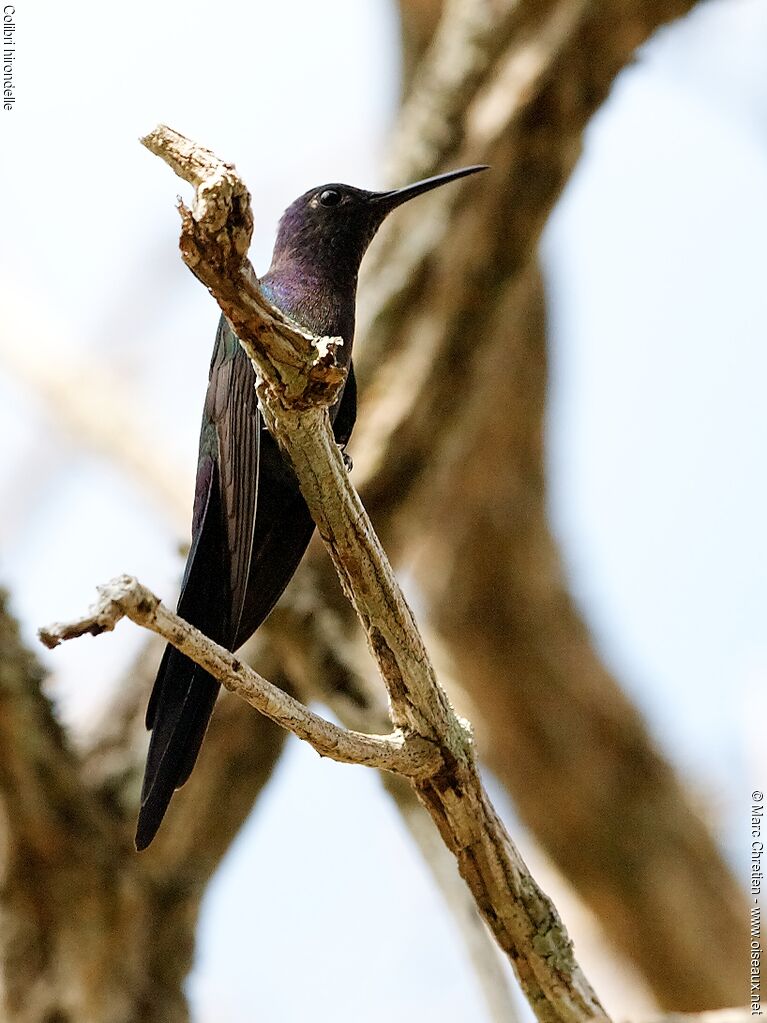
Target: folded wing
(216, 577)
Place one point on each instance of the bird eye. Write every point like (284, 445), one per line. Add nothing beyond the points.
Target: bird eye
(330, 197)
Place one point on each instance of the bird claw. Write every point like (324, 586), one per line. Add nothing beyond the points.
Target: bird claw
(346, 457)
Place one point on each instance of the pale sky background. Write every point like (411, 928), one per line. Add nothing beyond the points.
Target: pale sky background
(656, 273)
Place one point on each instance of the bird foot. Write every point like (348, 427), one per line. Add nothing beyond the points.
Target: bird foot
(346, 457)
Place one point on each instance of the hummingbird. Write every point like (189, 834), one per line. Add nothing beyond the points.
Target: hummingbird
(250, 524)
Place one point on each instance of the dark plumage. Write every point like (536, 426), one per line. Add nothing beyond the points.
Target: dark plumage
(250, 525)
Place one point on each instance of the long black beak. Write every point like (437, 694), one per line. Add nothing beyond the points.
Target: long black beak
(390, 200)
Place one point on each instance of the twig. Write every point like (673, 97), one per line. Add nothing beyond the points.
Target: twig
(125, 597)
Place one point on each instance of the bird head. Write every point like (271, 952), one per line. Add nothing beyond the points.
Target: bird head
(331, 226)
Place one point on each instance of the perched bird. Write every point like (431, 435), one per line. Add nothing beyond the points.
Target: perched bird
(250, 524)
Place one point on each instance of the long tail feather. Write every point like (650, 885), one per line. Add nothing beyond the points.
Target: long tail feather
(185, 704)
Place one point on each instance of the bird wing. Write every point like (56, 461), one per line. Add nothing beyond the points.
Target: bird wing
(284, 525)
(232, 407)
(215, 580)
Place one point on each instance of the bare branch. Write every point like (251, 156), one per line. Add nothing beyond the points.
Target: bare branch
(298, 379)
(125, 597)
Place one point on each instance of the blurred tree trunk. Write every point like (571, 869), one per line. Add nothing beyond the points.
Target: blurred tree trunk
(418, 20)
(91, 932)
(551, 722)
(449, 459)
